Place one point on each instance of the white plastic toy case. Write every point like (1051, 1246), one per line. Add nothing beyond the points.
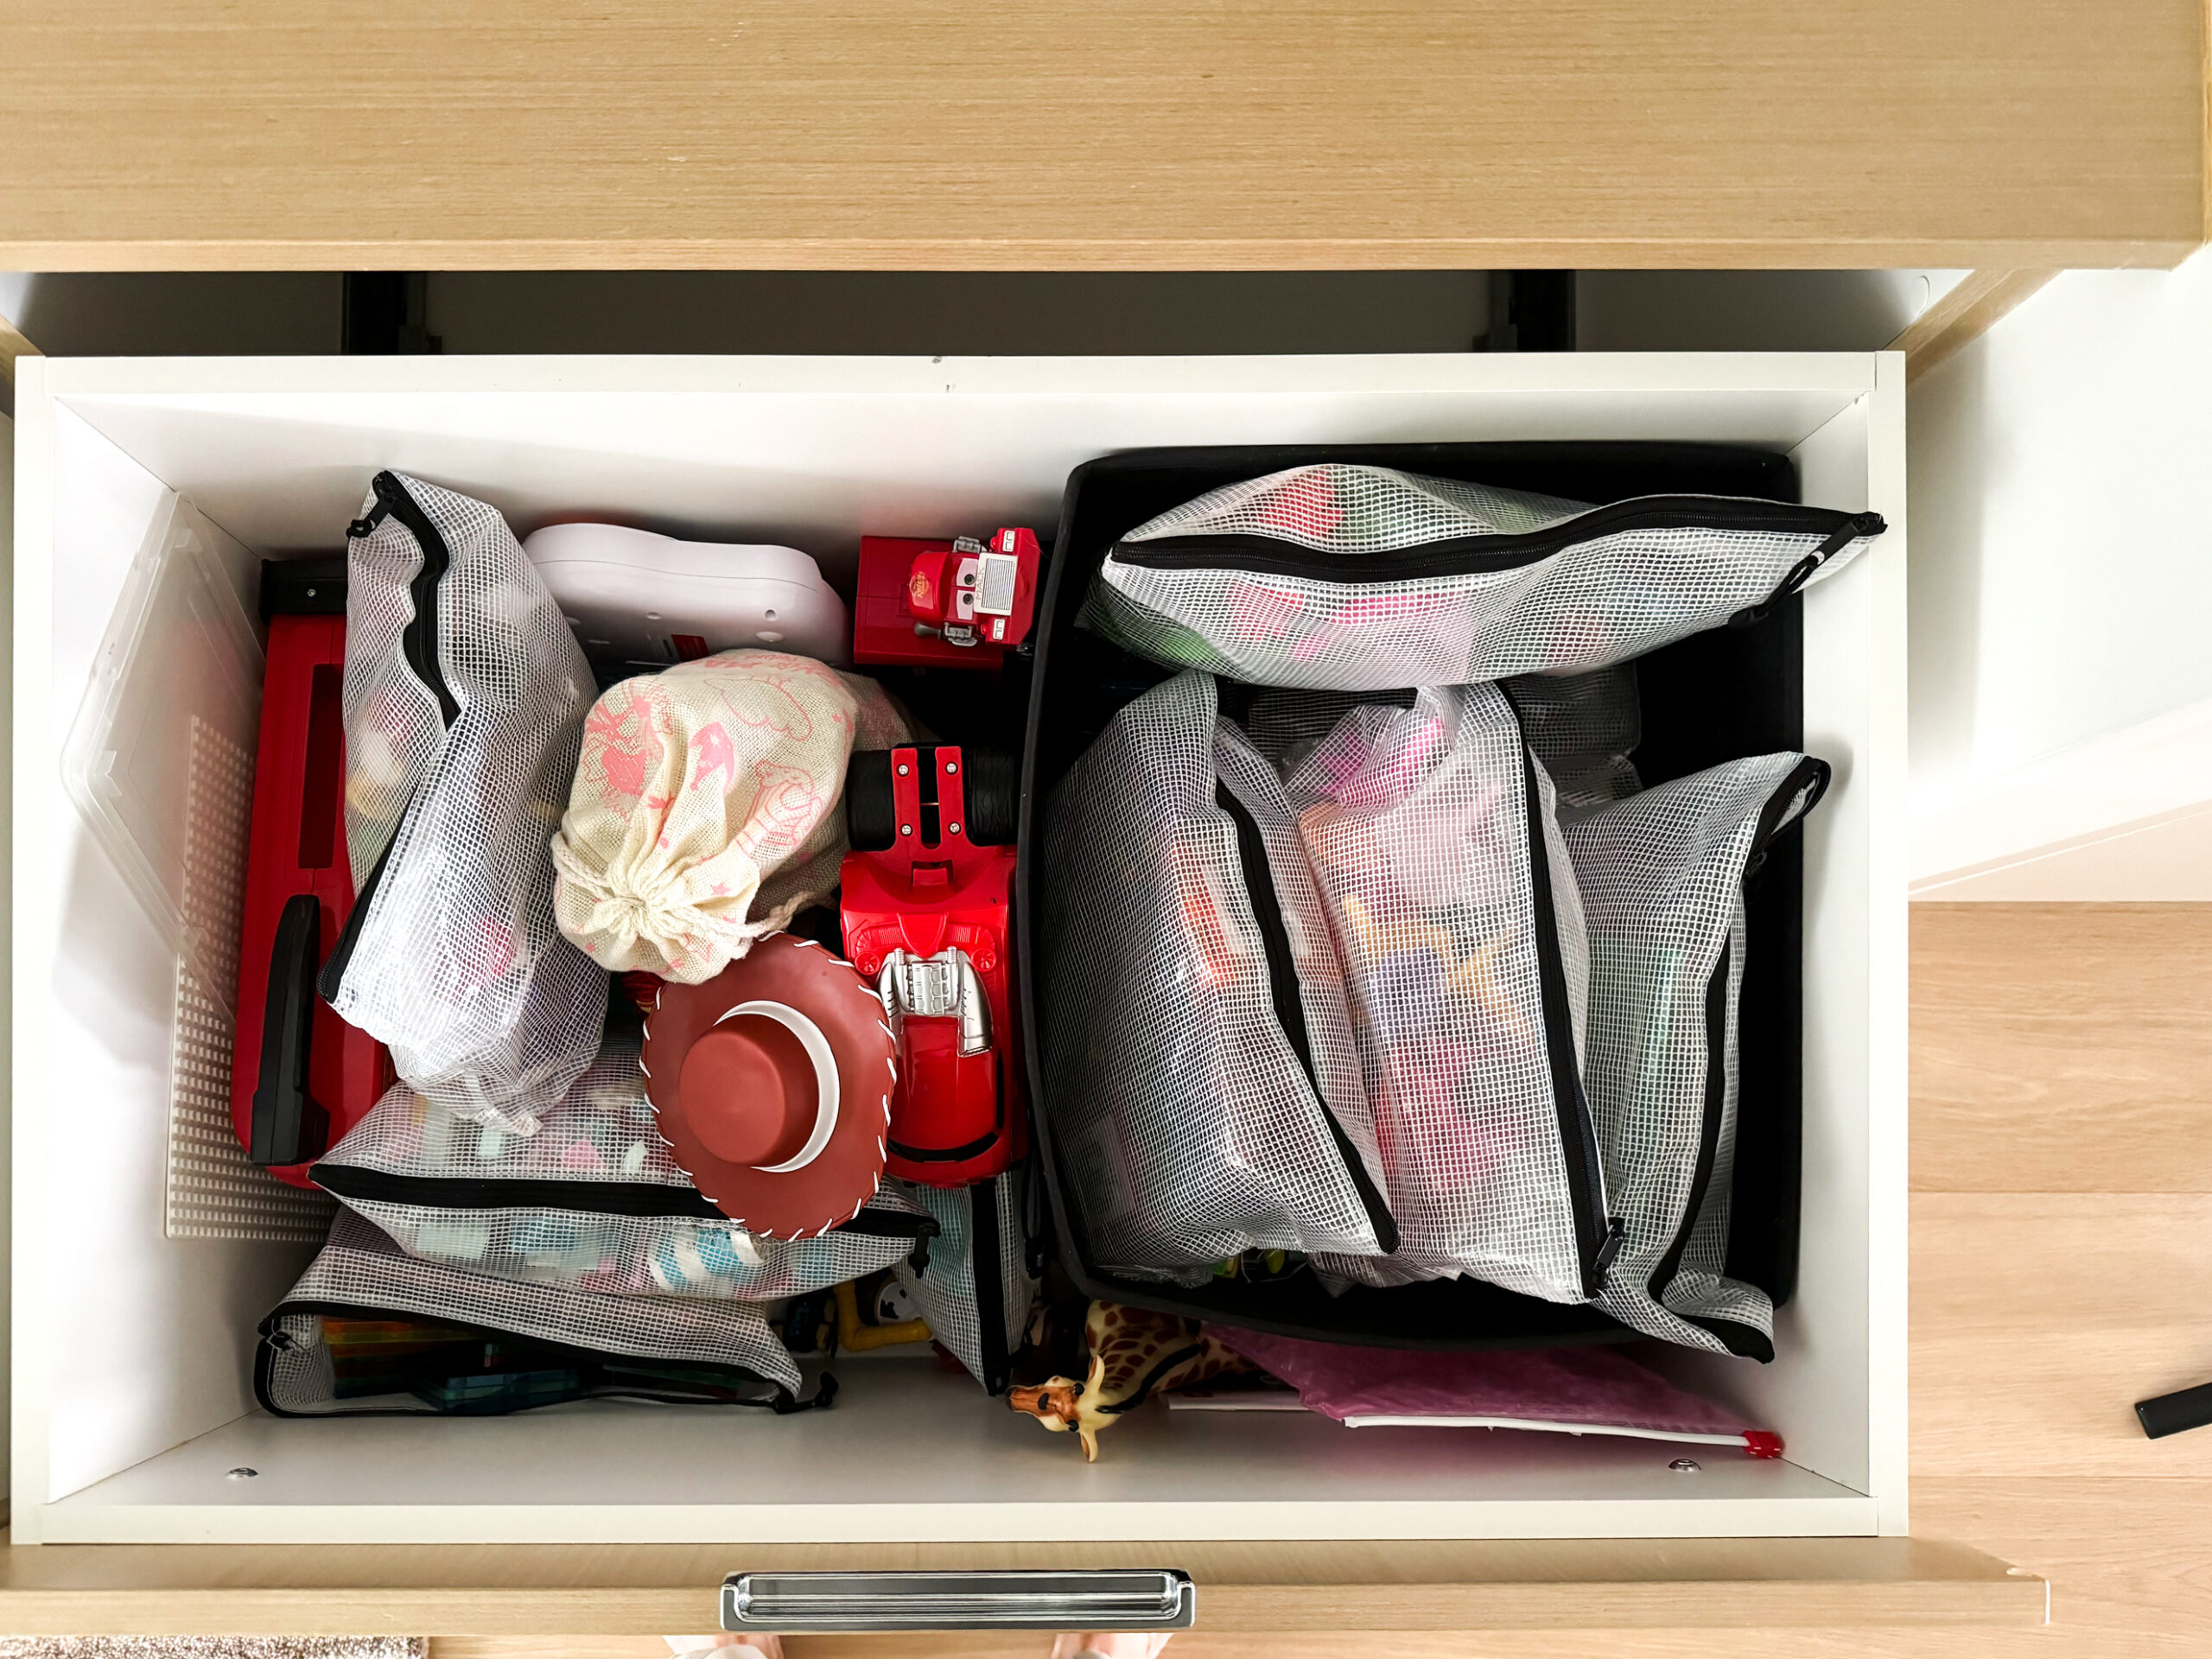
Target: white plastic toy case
(636, 598)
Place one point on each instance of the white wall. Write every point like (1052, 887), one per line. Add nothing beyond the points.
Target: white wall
(7, 919)
(2061, 591)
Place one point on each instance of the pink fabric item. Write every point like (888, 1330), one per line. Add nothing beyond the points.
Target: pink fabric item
(707, 809)
(1600, 1388)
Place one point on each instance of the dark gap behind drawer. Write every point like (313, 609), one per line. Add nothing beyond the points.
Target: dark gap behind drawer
(1717, 696)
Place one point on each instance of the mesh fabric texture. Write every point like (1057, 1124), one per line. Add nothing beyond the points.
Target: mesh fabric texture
(1662, 883)
(457, 966)
(596, 1160)
(1419, 823)
(1584, 727)
(1286, 724)
(944, 1291)
(1623, 591)
(1187, 1126)
(364, 1272)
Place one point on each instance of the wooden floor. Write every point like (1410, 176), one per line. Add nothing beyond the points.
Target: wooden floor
(2062, 1250)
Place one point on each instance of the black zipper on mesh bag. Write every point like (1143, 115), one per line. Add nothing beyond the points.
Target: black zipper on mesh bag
(333, 975)
(418, 644)
(645, 1200)
(418, 641)
(1597, 1235)
(275, 1340)
(987, 1272)
(1457, 555)
(1808, 779)
(1290, 1006)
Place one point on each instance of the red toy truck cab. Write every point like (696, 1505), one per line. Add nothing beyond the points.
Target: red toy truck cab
(957, 604)
(927, 917)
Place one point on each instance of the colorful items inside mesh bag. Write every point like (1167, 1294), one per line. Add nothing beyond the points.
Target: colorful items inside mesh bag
(494, 1345)
(594, 1200)
(465, 696)
(1663, 876)
(1583, 726)
(1433, 842)
(1347, 577)
(1202, 1084)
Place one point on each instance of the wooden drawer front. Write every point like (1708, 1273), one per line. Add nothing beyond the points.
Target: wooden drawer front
(1261, 1588)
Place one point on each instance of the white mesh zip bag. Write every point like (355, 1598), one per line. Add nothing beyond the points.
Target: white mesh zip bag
(465, 700)
(1356, 578)
(1662, 877)
(972, 1285)
(1434, 842)
(593, 1199)
(1583, 726)
(1202, 1087)
(674, 1348)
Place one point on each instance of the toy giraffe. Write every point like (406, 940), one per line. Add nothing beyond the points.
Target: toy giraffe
(1133, 1355)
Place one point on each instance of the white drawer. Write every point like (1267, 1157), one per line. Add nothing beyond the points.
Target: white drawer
(132, 1398)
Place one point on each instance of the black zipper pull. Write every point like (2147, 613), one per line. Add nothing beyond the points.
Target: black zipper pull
(1850, 529)
(1616, 1235)
(361, 527)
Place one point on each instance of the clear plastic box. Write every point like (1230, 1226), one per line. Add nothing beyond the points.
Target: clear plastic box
(160, 758)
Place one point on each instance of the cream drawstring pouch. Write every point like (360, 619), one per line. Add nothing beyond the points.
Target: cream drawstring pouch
(707, 809)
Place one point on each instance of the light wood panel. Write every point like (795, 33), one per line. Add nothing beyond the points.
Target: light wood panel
(477, 134)
(2122, 1554)
(1859, 1642)
(2040, 1318)
(2061, 1256)
(1981, 299)
(2062, 1048)
(1242, 1587)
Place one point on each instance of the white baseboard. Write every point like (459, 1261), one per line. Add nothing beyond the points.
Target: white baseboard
(2127, 816)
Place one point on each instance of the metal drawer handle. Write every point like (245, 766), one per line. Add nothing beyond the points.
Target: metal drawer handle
(1105, 1599)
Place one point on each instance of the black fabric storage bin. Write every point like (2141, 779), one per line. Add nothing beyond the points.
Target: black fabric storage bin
(1716, 697)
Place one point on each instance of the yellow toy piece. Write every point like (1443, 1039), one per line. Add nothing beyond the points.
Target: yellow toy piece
(856, 1337)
